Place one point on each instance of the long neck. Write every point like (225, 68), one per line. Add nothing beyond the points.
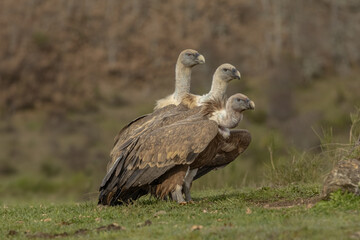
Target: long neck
(218, 88)
(182, 81)
(230, 118)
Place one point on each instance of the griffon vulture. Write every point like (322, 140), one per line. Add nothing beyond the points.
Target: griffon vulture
(159, 160)
(171, 113)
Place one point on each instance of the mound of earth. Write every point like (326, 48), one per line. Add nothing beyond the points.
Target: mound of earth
(345, 176)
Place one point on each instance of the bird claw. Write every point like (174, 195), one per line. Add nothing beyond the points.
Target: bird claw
(182, 203)
(190, 202)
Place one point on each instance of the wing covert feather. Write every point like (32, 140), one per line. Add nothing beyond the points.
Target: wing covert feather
(146, 123)
(172, 144)
(231, 148)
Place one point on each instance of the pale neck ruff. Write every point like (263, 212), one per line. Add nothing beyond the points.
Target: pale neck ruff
(227, 118)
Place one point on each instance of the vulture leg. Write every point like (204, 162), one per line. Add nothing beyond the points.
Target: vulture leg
(171, 184)
(176, 195)
(187, 184)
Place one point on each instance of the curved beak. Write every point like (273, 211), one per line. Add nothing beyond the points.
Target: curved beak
(200, 59)
(237, 74)
(251, 105)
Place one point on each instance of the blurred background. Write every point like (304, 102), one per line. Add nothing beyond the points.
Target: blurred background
(73, 73)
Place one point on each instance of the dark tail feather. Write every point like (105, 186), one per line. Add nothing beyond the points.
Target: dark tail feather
(126, 196)
(111, 172)
(130, 190)
(108, 184)
(112, 183)
(106, 197)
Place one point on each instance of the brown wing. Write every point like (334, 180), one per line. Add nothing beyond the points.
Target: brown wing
(154, 153)
(174, 144)
(124, 132)
(231, 148)
(137, 126)
(161, 117)
(136, 123)
(170, 111)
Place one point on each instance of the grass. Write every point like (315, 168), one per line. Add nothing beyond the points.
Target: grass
(264, 213)
(314, 165)
(287, 211)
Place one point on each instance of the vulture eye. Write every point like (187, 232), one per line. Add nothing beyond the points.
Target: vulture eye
(238, 99)
(188, 54)
(225, 69)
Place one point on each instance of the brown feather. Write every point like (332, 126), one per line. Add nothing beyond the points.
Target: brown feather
(156, 152)
(161, 117)
(169, 180)
(156, 143)
(175, 176)
(176, 142)
(212, 105)
(140, 125)
(229, 150)
(189, 101)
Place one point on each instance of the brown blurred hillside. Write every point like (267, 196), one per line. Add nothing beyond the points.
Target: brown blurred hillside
(72, 73)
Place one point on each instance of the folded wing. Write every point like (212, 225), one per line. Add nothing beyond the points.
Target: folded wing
(151, 155)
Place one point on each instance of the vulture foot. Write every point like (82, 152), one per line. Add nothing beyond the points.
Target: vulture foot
(188, 197)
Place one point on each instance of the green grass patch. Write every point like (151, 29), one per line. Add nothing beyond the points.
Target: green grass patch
(32, 188)
(264, 213)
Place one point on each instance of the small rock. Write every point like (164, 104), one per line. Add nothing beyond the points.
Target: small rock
(196, 227)
(161, 212)
(146, 223)
(248, 211)
(345, 176)
(310, 205)
(355, 235)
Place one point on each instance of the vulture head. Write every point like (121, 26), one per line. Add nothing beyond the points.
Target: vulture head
(227, 72)
(190, 58)
(239, 103)
(235, 105)
(232, 114)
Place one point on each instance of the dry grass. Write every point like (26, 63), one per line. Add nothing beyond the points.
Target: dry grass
(313, 165)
